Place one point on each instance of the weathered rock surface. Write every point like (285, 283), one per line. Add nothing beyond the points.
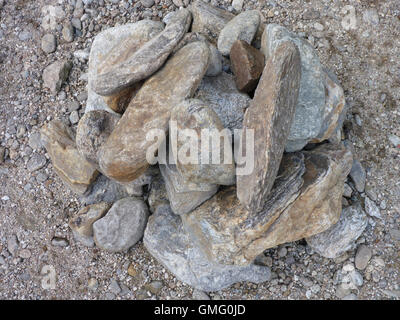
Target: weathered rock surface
(340, 237)
(193, 114)
(269, 118)
(215, 67)
(122, 226)
(311, 102)
(220, 93)
(158, 194)
(184, 195)
(123, 156)
(133, 34)
(363, 256)
(209, 20)
(168, 242)
(242, 27)
(298, 206)
(358, 175)
(247, 65)
(56, 74)
(93, 130)
(124, 66)
(72, 168)
(118, 102)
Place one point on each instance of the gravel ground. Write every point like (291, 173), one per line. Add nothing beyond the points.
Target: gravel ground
(35, 206)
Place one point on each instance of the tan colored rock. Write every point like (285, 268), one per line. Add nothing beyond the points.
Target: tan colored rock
(127, 67)
(120, 101)
(123, 156)
(72, 168)
(247, 65)
(269, 117)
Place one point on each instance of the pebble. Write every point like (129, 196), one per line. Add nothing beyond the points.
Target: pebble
(68, 32)
(73, 106)
(25, 254)
(282, 252)
(154, 287)
(49, 43)
(237, 5)
(74, 117)
(372, 209)
(371, 16)
(114, 287)
(394, 140)
(36, 162)
(358, 175)
(34, 141)
(147, 3)
(363, 256)
(347, 191)
(12, 244)
(356, 278)
(59, 242)
(93, 284)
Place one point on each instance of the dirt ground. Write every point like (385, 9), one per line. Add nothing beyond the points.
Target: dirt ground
(364, 52)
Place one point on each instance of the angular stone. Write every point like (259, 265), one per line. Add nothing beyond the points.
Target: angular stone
(132, 34)
(193, 114)
(189, 38)
(358, 175)
(209, 20)
(158, 194)
(220, 93)
(93, 130)
(298, 206)
(269, 118)
(242, 27)
(120, 101)
(311, 102)
(72, 168)
(168, 242)
(125, 159)
(56, 74)
(183, 195)
(49, 43)
(124, 66)
(122, 226)
(247, 65)
(340, 237)
(363, 256)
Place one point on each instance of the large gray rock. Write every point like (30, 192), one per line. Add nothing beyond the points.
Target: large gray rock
(340, 237)
(168, 242)
(122, 226)
(310, 107)
(221, 94)
(242, 27)
(103, 44)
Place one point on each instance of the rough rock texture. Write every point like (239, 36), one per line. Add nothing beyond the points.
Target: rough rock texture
(340, 237)
(72, 168)
(220, 93)
(123, 156)
(104, 42)
(193, 114)
(311, 102)
(358, 175)
(247, 65)
(184, 195)
(93, 130)
(298, 206)
(56, 74)
(209, 20)
(269, 118)
(215, 67)
(158, 193)
(120, 101)
(122, 226)
(189, 38)
(167, 241)
(242, 27)
(124, 66)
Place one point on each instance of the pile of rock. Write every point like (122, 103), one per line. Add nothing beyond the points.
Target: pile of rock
(205, 222)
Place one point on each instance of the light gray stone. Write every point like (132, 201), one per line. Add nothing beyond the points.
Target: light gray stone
(36, 162)
(372, 209)
(49, 43)
(215, 67)
(56, 74)
(363, 256)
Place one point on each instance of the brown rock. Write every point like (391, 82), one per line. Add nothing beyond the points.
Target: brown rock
(123, 156)
(72, 168)
(247, 65)
(270, 116)
(120, 101)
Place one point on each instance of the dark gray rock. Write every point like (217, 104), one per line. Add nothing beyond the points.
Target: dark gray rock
(358, 175)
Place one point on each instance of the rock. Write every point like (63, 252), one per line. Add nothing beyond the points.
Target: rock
(74, 117)
(147, 3)
(242, 27)
(68, 32)
(310, 107)
(49, 43)
(132, 34)
(52, 15)
(372, 209)
(209, 20)
(82, 222)
(340, 237)
(168, 242)
(220, 93)
(93, 130)
(36, 162)
(122, 226)
(193, 114)
(122, 68)
(184, 195)
(72, 168)
(59, 242)
(298, 206)
(394, 140)
(247, 65)
(237, 4)
(56, 74)
(348, 191)
(76, 23)
(12, 244)
(215, 67)
(395, 234)
(154, 287)
(2, 154)
(358, 175)
(371, 16)
(120, 101)
(363, 256)
(158, 194)
(269, 119)
(114, 287)
(125, 159)
(93, 284)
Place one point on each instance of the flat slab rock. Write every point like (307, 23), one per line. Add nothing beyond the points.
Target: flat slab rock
(306, 199)
(269, 118)
(123, 156)
(168, 242)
